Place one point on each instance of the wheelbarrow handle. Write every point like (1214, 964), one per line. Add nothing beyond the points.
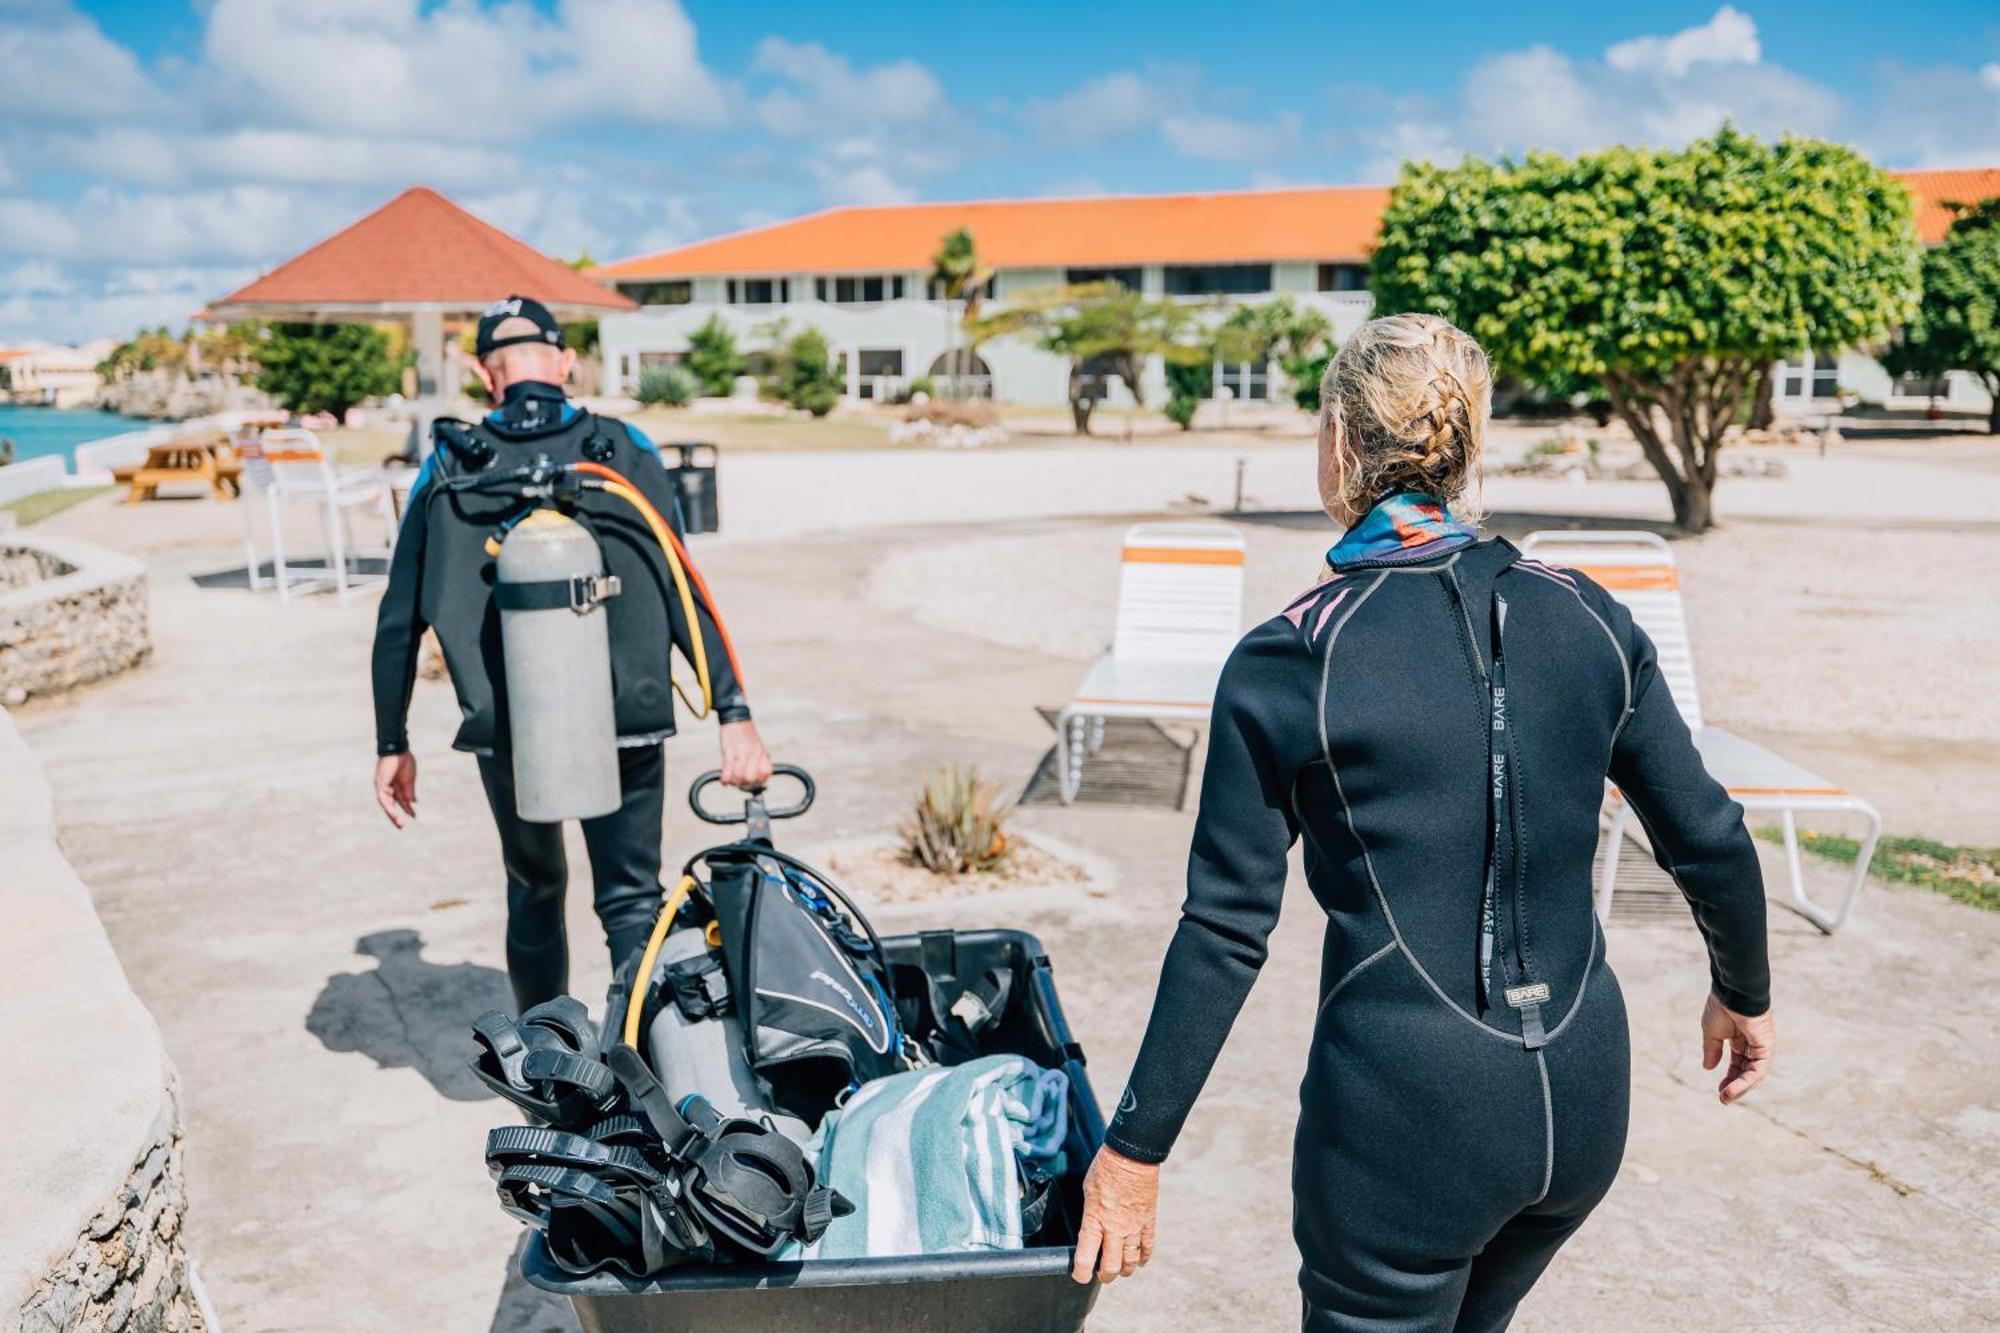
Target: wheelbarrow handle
(755, 798)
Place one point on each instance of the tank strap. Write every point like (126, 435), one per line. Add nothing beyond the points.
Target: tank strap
(579, 593)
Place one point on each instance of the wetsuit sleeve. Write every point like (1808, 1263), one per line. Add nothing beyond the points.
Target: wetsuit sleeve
(650, 476)
(400, 625)
(1697, 834)
(1263, 732)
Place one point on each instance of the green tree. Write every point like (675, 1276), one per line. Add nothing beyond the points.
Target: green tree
(1957, 325)
(1299, 339)
(1189, 384)
(1673, 276)
(805, 374)
(712, 357)
(1103, 328)
(326, 367)
(961, 284)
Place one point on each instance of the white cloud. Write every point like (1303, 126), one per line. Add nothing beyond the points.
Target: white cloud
(75, 309)
(59, 65)
(1729, 38)
(1229, 139)
(1937, 117)
(1990, 75)
(108, 225)
(149, 156)
(828, 96)
(1111, 107)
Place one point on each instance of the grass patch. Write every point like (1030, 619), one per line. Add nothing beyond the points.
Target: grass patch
(46, 504)
(1968, 874)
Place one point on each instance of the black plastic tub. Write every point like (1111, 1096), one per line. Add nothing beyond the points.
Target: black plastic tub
(1011, 1291)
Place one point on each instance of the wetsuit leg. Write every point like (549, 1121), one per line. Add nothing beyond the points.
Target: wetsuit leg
(1590, 1086)
(537, 875)
(624, 848)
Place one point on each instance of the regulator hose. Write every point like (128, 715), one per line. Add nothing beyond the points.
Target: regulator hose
(635, 1004)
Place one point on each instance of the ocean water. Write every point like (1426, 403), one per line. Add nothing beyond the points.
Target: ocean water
(40, 431)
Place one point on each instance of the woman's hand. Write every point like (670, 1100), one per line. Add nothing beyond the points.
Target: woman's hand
(1751, 1041)
(1120, 1198)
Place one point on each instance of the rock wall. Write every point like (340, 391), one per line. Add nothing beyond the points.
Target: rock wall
(128, 1272)
(92, 1204)
(70, 613)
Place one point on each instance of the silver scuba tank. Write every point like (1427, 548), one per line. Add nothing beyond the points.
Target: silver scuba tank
(705, 1056)
(555, 643)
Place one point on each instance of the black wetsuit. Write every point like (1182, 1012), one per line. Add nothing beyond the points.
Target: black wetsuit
(1448, 1141)
(441, 577)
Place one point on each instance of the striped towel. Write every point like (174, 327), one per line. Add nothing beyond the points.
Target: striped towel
(931, 1157)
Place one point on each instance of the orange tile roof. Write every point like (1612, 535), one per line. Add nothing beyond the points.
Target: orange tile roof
(419, 249)
(1329, 223)
(1336, 222)
(1936, 189)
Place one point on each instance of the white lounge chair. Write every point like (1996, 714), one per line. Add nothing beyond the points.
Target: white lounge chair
(1638, 569)
(291, 467)
(1180, 612)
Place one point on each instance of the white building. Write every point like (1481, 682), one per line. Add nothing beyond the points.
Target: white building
(44, 375)
(858, 275)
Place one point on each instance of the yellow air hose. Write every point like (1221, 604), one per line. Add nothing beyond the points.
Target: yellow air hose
(664, 536)
(636, 1002)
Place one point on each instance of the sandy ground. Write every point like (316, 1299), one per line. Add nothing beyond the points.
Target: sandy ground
(312, 970)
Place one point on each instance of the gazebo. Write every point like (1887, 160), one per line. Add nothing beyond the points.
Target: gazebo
(419, 258)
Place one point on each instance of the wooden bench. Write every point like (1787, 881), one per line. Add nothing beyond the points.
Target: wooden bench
(210, 463)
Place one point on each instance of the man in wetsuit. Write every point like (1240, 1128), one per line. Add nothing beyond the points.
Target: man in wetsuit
(441, 578)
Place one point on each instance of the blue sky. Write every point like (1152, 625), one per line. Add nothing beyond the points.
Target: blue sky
(153, 155)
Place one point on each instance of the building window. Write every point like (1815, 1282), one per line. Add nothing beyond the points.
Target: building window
(962, 373)
(1245, 380)
(658, 293)
(1814, 375)
(878, 372)
(1217, 279)
(660, 360)
(1343, 277)
(1128, 278)
(758, 291)
(1913, 385)
(859, 291)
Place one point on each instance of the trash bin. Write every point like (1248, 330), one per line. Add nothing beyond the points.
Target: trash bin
(997, 1291)
(692, 466)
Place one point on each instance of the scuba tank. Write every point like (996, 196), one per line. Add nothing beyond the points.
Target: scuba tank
(695, 1042)
(549, 583)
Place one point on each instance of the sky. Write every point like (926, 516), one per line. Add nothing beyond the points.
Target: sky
(153, 156)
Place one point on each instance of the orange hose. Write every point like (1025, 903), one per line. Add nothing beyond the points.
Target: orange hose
(701, 584)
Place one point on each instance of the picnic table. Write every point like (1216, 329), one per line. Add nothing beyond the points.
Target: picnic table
(212, 463)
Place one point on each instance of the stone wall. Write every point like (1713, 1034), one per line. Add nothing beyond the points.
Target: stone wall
(128, 1272)
(92, 1205)
(70, 613)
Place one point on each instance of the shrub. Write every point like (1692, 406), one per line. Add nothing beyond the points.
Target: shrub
(712, 358)
(959, 823)
(806, 377)
(1188, 383)
(667, 386)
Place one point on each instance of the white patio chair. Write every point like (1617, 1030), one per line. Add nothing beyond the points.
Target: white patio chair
(1638, 569)
(290, 467)
(1180, 612)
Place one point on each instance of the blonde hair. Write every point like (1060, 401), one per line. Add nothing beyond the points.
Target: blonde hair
(1406, 400)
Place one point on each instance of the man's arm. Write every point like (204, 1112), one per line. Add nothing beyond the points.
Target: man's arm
(399, 635)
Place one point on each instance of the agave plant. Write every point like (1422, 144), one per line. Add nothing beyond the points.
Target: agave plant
(959, 823)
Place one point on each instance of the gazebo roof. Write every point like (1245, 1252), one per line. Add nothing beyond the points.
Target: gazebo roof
(418, 252)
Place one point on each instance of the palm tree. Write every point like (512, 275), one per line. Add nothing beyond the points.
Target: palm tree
(958, 278)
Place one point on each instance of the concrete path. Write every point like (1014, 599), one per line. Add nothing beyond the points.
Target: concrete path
(312, 970)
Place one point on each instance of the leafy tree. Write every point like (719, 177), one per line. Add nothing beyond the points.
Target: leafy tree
(1673, 276)
(1103, 328)
(326, 367)
(1957, 326)
(712, 357)
(1299, 339)
(805, 374)
(1189, 384)
(961, 283)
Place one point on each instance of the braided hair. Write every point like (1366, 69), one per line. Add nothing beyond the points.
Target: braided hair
(1403, 408)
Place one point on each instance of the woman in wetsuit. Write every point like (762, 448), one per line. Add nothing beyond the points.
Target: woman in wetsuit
(1436, 719)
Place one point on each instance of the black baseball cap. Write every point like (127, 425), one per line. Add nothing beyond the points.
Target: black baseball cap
(500, 313)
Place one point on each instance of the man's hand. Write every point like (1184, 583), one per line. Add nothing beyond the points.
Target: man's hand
(745, 761)
(396, 787)
(1751, 1041)
(1120, 1200)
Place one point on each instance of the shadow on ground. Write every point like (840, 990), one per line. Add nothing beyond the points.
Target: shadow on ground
(358, 567)
(406, 1013)
(525, 1308)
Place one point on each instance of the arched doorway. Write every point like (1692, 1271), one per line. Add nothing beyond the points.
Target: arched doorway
(961, 374)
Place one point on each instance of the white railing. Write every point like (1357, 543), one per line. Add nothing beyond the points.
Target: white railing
(31, 477)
